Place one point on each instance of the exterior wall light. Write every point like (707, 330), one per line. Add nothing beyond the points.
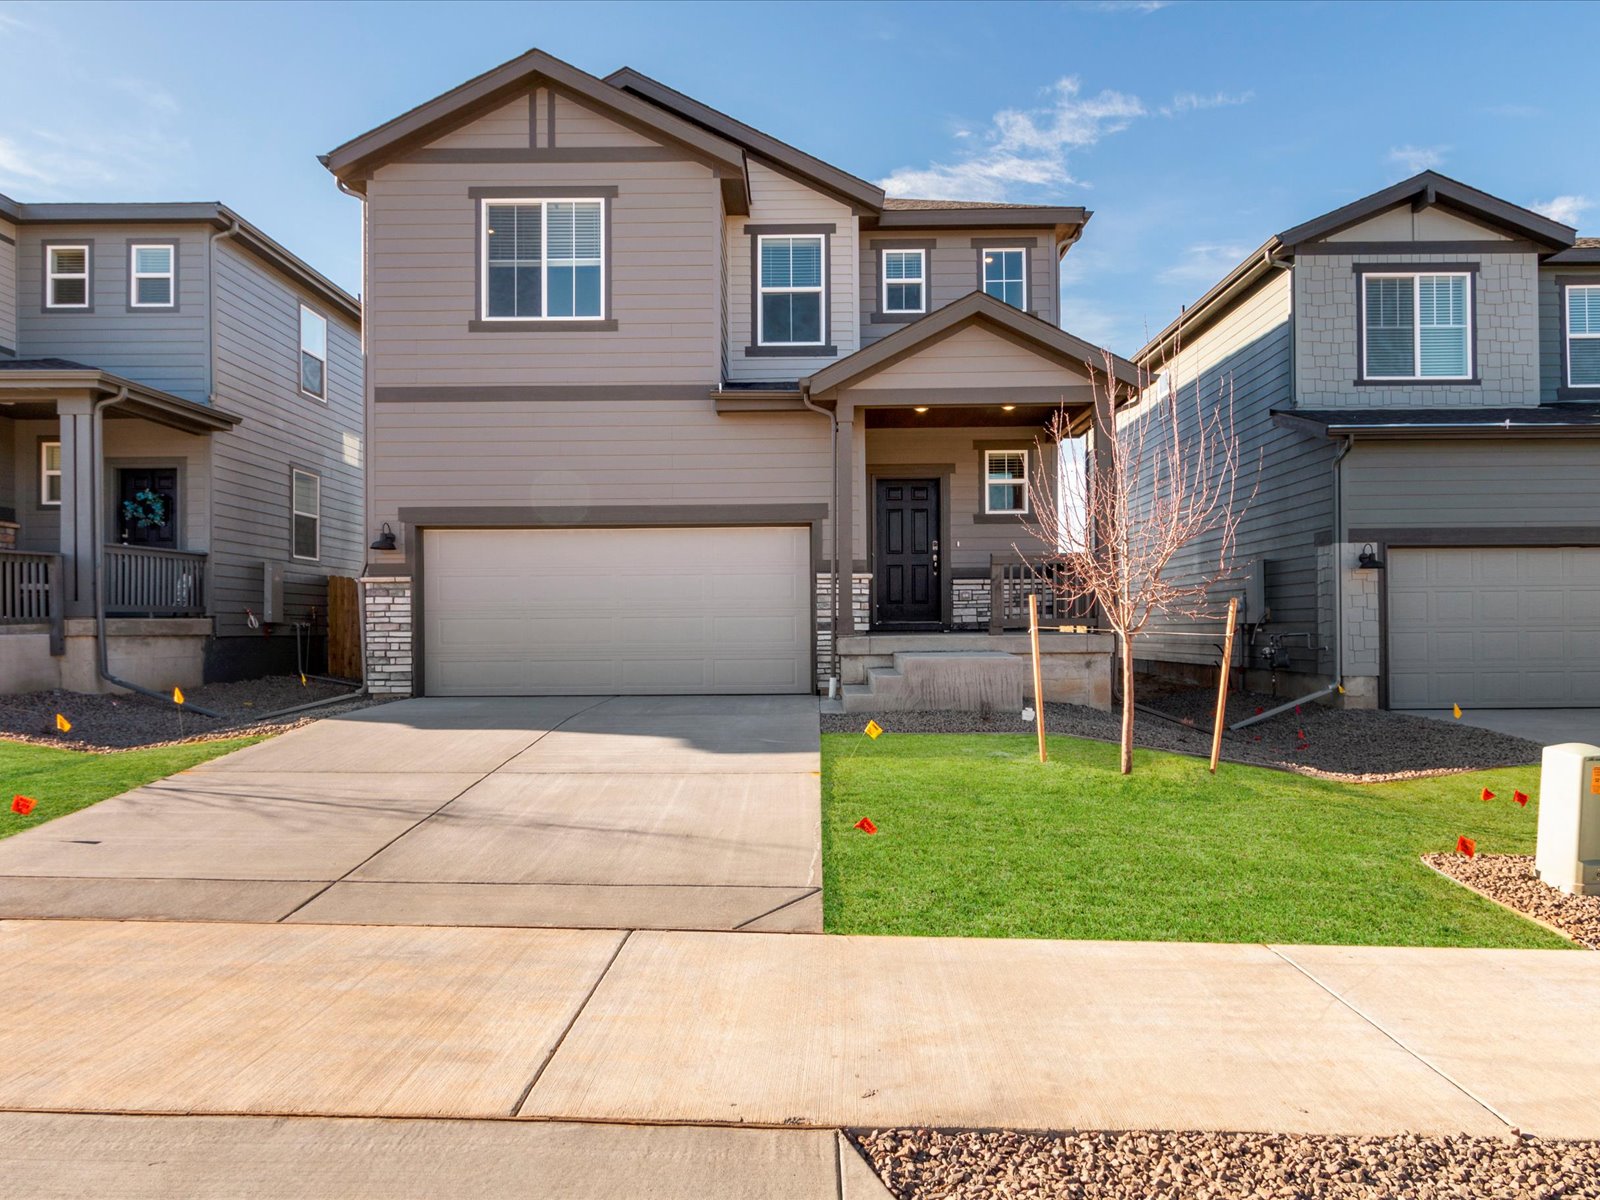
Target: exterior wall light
(384, 540)
(1368, 560)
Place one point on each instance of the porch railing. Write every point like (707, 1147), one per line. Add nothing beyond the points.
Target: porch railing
(1012, 578)
(145, 582)
(30, 592)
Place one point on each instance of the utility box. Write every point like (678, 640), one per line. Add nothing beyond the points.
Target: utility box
(1569, 818)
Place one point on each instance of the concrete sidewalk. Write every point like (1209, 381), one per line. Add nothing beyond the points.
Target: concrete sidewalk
(807, 1032)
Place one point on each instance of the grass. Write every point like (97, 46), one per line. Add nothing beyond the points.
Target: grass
(978, 839)
(63, 781)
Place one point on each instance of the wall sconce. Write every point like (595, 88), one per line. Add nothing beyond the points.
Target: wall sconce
(384, 540)
(1367, 560)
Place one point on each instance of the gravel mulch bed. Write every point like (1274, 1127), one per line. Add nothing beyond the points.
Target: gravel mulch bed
(123, 722)
(1350, 745)
(1510, 879)
(920, 1164)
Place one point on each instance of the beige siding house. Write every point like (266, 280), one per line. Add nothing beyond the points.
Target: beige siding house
(660, 404)
(1415, 374)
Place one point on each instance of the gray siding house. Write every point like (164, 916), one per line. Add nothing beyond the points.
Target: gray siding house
(181, 433)
(658, 403)
(1418, 375)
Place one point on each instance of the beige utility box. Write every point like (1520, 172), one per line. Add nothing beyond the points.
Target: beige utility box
(1569, 818)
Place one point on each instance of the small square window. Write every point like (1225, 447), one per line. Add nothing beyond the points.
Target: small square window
(66, 277)
(307, 500)
(152, 276)
(313, 353)
(1005, 276)
(1005, 480)
(50, 474)
(904, 281)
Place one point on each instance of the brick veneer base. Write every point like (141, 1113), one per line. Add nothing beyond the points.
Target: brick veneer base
(386, 614)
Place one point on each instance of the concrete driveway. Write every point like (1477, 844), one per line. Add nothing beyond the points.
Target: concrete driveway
(1547, 726)
(576, 812)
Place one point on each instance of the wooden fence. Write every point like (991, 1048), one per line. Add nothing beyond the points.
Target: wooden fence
(344, 627)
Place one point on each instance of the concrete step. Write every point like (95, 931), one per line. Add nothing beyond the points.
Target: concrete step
(958, 680)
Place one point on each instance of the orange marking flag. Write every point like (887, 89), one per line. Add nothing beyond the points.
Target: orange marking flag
(177, 695)
(1486, 796)
(866, 825)
(62, 724)
(873, 730)
(1520, 797)
(1465, 845)
(1456, 708)
(22, 805)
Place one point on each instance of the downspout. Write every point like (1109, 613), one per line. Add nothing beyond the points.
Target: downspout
(211, 305)
(839, 603)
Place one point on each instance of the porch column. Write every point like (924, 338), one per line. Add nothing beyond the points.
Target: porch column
(844, 524)
(80, 471)
(1103, 459)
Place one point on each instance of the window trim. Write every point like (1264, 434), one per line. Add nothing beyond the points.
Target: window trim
(294, 513)
(1413, 271)
(45, 474)
(1008, 247)
(820, 291)
(1569, 390)
(134, 274)
(50, 276)
(883, 280)
(989, 478)
(586, 321)
(755, 348)
(301, 351)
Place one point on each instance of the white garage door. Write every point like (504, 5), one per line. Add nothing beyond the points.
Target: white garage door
(518, 612)
(1496, 628)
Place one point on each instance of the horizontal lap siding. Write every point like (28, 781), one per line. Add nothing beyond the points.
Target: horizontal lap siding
(41, 527)
(577, 125)
(258, 358)
(1510, 485)
(506, 128)
(972, 357)
(8, 287)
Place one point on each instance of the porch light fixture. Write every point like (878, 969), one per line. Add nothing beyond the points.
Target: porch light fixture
(922, 408)
(384, 540)
(1367, 560)
(1008, 408)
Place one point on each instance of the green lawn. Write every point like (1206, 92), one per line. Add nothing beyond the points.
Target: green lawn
(977, 839)
(63, 781)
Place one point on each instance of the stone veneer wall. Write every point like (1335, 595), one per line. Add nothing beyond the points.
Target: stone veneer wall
(969, 603)
(386, 615)
(860, 610)
(8, 535)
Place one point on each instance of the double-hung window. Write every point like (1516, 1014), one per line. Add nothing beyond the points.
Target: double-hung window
(306, 499)
(905, 277)
(50, 474)
(66, 277)
(1583, 336)
(313, 353)
(791, 309)
(152, 276)
(543, 260)
(1417, 326)
(1005, 482)
(1005, 275)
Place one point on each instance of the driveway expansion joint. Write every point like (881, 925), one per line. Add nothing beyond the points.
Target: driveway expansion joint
(578, 1012)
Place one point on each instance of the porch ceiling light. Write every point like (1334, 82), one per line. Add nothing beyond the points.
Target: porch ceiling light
(1008, 408)
(922, 408)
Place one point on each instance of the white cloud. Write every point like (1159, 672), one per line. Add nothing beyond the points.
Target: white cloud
(1418, 158)
(1514, 110)
(1566, 209)
(1205, 262)
(1193, 102)
(1139, 6)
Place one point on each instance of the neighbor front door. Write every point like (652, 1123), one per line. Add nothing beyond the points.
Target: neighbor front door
(141, 520)
(909, 591)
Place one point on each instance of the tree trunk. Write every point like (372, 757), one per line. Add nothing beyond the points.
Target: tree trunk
(1127, 707)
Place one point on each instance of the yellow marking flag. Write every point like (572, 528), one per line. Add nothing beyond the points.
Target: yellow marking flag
(303, 674)
(64, 725)
(1456, 708)
(177, 695)
(872, 730)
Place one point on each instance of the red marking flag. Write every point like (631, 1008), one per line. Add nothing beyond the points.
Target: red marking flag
(1520, 797)
(1486, 796)
(22, 805)
(866, 825)
(1465, 845)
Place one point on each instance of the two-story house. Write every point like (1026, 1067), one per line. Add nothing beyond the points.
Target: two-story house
(657, 402)
(181, 433)
(1418, 376)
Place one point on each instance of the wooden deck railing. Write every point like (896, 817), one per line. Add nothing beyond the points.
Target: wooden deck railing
(30, 593)
(1012, 578)
(145, 582)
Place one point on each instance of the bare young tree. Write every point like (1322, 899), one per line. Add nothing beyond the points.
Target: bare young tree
(1164, 476)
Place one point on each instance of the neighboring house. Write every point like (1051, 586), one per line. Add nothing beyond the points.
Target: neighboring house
(181, 423)
(633, 365)
(1418, 374)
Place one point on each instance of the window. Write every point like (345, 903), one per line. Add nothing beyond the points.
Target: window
(1416, 326)
(543, 260)
(307, 502)
(1005, 276)
(791, 305)
(313, 353)
(50, 474)
(1005, 476)
(1583, 336)
(904, 277)
(66, 277)
(152, 276)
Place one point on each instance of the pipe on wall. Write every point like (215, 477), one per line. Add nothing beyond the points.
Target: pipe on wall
(840, 604)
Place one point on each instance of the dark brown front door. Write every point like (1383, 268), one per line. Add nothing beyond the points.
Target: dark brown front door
(147, 507)
(907, 550)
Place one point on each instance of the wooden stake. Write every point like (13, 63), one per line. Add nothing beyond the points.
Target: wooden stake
(1222, 684)
(1038, 673)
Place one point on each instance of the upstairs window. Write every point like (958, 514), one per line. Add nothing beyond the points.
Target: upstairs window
(313, 353)
(66, 277)
(791, 306)
(1005, 482)
(1005, 276)
(1583, 336)
(152, 276)
(50, 474)
(543, 260)
(904, 281)
(306, 536)
(1417, 326)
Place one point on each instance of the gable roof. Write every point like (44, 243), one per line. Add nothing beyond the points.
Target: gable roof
(1583, 250)
(354, 161)
(973, 309)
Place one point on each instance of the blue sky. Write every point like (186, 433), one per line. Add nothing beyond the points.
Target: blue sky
(1194, 130)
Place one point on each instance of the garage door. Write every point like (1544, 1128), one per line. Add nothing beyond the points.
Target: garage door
(1496, 628)
(515, 612)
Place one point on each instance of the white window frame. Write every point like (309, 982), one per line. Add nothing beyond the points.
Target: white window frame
(294, 512)
(46, 475)
(989, 477)
(1416, 375)
(543, 203)
(821, 290)
(921, 280)
(135, 275)
(983, 270)
(299, 362)
(1566, 326)
(51, 275)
